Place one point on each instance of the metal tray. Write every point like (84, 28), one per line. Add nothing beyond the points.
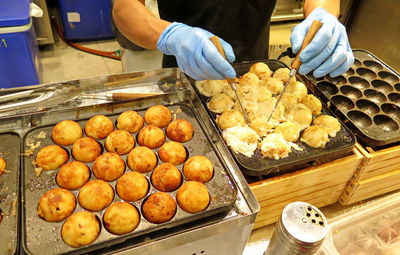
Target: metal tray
(366, 98)
(221, 187)
(9, 193)
(258, 165)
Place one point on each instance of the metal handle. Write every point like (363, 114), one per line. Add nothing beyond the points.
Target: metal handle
(217, 43)
(314, 28)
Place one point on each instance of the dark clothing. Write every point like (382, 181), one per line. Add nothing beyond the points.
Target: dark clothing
(242, 23)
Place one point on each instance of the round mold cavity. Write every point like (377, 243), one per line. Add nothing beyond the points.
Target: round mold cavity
(375, 96)
(349, 72)
(373, 65)
(342, 102)
(386, 123)
(367, 106)
(339, 80)
(366, 73)
(382, 86)
(327, 88)
(351, 92)
(397, 86)
(394, 97)
(389, 77)
(359, 119)
(391, 109)
(359, 82)
(356, 63)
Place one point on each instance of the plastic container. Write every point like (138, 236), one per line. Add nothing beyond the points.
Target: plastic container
(19, 65)
(86, 20)
(373, 229)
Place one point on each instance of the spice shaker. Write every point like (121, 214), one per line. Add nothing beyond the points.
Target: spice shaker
(300, 229)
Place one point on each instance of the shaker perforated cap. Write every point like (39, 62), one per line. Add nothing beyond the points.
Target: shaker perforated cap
(304, 222)
(300, 230)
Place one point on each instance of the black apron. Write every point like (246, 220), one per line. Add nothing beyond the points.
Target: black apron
(242, 23)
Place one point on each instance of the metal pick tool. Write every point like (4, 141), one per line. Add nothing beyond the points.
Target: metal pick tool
(215, 40)
(312, 31)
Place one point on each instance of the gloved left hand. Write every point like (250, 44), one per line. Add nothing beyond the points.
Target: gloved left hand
(329, 51)
(195, 53)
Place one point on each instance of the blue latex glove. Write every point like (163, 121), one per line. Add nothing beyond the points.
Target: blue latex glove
(329, 51)
(195, 53)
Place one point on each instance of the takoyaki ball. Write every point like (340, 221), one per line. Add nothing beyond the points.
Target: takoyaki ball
(56, 205)
(151, 136)
(331, 123)
(66, 132)
(198, 168)
(80, 229)
(130, 121)
(299, 114)
(274, 146)
(172, 152)
(246, 91)
(230, 118)
(249, 79)
(95, 195)
(121, 218)
(279, 113)
(193, 197)
(73, 175)
(282, 74)
(315, 136)
(263, 94)
(261, 70)
(229, 91)
(274, 85)
(142, 159)
(109, 167)
(312, 103)
(120, 142)
(290, 131)
(249, 104)
(158, 115)
(180, 131)
(159, 208)
(289, 100)
(86, 149)
(297, 88)
(51, 157)
(220, 103)
(166, 177)
(99, 127)
(132, 186)
(260, 125)
(210, 88)
(3, 165)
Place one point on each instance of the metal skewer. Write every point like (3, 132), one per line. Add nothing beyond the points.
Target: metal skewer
(314, 28)
(232, 82)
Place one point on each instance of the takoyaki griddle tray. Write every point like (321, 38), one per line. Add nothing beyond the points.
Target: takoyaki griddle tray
(366, 98)
(41, 237)
(258, 165)
(9, 193)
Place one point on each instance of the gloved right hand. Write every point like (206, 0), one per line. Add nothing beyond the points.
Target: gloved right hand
(195, 53)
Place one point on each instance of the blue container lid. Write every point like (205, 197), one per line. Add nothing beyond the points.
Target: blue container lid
(14, 13)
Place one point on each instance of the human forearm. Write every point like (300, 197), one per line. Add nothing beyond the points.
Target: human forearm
(331, 6)
(137, 23)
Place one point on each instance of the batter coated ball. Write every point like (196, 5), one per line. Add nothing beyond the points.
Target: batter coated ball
(99, 127)
(66, 132)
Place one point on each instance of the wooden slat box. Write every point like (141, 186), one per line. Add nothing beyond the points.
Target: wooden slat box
(319, 185)
(378, 173)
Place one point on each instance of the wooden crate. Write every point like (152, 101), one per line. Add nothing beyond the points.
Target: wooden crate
(319, 185)
(378, 173)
